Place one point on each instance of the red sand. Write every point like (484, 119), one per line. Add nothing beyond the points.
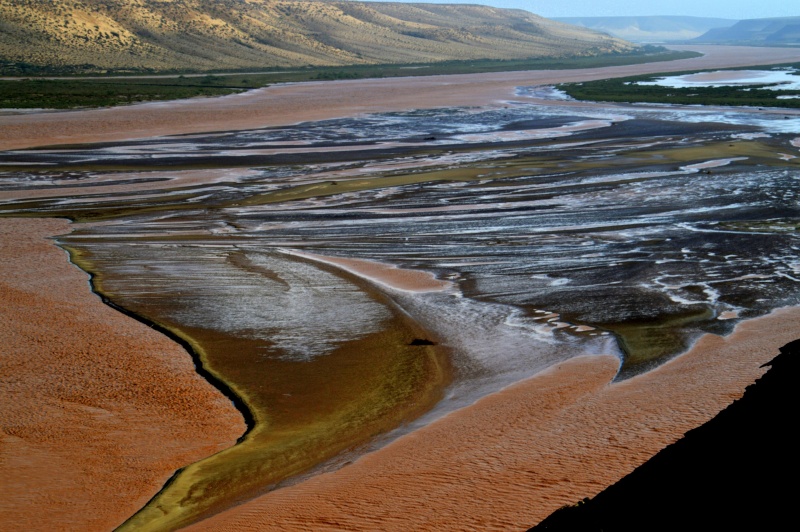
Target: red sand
(384, 274)
(98, 410)
(514, 457)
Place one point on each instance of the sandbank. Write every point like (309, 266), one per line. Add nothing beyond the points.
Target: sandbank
(98, 410)
(285, 104)
(386, 275)
(512, 458)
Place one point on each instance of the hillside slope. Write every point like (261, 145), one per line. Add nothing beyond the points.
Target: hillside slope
(241, 34)
(765, 31)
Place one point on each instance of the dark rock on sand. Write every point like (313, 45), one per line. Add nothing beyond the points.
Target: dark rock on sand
(421, 341)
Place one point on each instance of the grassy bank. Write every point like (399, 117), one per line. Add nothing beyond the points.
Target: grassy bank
(115, 89)
(628, 90)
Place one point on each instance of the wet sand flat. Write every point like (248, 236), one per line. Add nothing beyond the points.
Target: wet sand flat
(514, 457)
(285, 104)
(98, 409)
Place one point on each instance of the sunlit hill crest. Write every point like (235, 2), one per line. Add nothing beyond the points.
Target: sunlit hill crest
(240, 34)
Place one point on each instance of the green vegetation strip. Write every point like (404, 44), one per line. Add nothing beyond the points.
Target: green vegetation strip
(71, 93)
(628, 90)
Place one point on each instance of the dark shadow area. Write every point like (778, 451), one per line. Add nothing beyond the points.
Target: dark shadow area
(736, 472)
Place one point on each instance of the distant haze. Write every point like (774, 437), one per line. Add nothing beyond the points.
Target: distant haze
(656, 28)
(730, 9)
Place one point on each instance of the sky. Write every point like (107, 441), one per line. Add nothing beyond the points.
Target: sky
(730, 9)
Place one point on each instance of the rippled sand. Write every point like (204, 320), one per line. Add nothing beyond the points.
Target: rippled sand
(514, 457)
(98, 410)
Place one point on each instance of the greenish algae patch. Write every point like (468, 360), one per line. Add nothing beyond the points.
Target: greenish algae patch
(330, 188)
(649, 341)
(306, 413)
(761, 226)
(756, 151)
(303, 412)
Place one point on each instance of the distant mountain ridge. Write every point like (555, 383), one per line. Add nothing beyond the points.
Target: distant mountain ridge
(767, 31)
(239, 34)
(651, 28)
